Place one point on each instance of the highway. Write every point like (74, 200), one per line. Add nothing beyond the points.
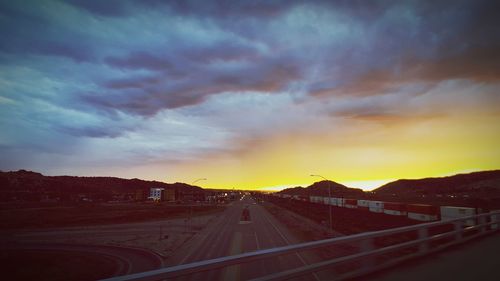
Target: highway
(225, 235)
(228, 235)
(126, 260)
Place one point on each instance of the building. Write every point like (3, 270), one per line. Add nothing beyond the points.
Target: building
(140, 195)
(169, 195)
(156, 194)
(190, 195)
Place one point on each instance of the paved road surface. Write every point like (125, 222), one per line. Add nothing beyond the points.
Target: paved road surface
(128, 260)
(228, 236)
(136, 235)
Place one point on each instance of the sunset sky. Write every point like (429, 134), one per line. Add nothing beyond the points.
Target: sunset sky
(250, 94)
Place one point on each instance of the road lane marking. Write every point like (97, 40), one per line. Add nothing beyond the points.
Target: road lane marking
(220, 224)
(233, 272)
(288, 243)
(256, 240)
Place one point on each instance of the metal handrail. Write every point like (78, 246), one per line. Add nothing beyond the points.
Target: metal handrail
(195, 267)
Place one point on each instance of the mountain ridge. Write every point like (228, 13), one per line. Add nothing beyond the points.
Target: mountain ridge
(481, 181)
(322, 188)
(479, 185)
(31, 185)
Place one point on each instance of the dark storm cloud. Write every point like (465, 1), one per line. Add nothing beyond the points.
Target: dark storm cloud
(450, 40)
(222, 8)
(140, 60)
(93, 132)
(42, 46)
(476, 64)
(132, 82)
(417, 43)
(262, 9)
(479, 64)
(25, 32)
(462, 22)
(148, 95)
(225, 51)
(120, 62)
(109, 8)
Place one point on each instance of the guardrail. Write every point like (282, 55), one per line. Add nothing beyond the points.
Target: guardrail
(429, 238)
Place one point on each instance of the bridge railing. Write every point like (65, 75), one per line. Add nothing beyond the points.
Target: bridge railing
(424, 239)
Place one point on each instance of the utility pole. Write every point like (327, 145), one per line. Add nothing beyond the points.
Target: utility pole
(329, 200)
(191, 205)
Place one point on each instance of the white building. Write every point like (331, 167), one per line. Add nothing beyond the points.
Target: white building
(156, 193)
(376, 206)
(365, 204)
(340, 202)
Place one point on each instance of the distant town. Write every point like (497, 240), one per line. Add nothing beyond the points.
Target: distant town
(478, 189)
(27, 186)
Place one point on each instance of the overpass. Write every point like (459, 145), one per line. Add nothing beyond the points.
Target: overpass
(369, 252)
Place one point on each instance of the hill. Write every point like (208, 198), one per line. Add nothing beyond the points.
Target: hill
(477, 183)
(32, 186)
(471, 190)
(321, 189)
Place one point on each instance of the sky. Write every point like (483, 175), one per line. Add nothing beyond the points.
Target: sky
(250, 94)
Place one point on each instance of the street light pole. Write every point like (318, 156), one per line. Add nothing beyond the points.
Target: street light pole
(191, 206)
(329, 200)
(200, 179)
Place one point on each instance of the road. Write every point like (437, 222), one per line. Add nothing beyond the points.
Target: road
(228, 235)
(127, 260)
(145, 235)
(225, 235)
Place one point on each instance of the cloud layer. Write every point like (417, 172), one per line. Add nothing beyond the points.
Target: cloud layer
(149, 85)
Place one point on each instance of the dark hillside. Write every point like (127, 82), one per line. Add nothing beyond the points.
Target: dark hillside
(487, 181)
(321, 189)
(30, 186)
(478, 189)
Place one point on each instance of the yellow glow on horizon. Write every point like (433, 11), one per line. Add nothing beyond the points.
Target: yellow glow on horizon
(363, 154)
(357, 153)
(368, 184)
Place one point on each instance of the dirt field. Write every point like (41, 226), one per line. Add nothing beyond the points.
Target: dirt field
(35, 216)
